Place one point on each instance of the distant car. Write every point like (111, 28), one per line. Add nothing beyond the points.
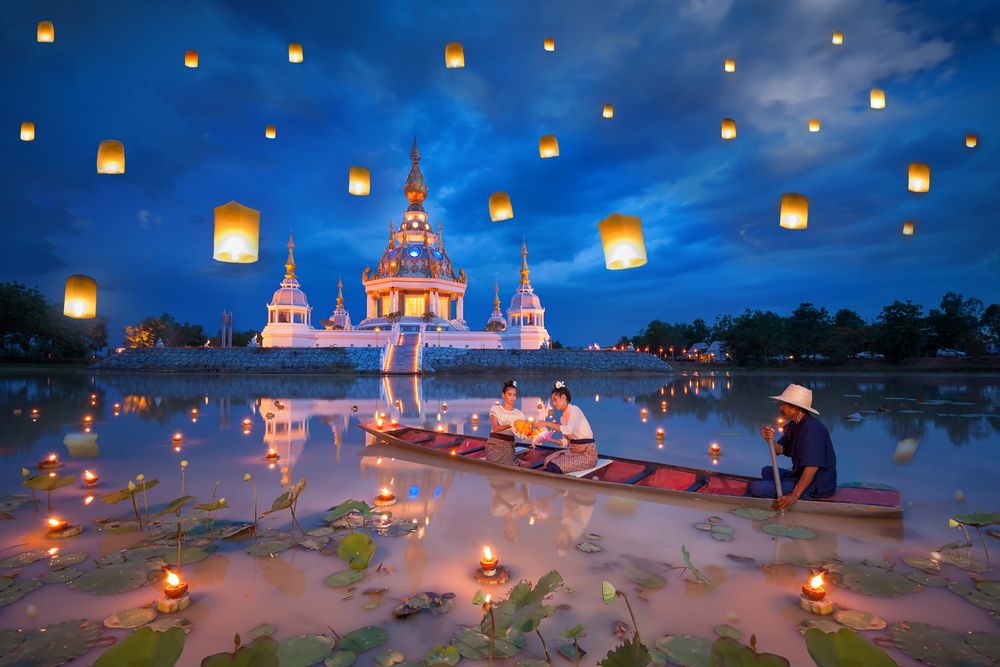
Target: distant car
(948, 352)
(869, 355)
(816, 357)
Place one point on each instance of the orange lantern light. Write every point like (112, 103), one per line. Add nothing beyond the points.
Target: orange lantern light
(838, 38)
(191, 59)
(728, 128)
(609, 111)
(80, 300)
(237, 233)
(46, 33)
(454, 55)
(359, 181)
(548, 146)
(624, 246)
(111, 157)
(794, 211)
(814, 124)
(908, 228)
(549, 44)
(270, 132)
(971, 140)
(500, 207)
(294, 53)
(729, 65)
(919, 177)
(27, 131)
(877, 98)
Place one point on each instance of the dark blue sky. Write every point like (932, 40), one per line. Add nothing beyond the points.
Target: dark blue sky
(374, 76)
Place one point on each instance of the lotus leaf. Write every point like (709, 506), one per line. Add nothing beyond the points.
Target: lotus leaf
(189, 555)
(608, 592)
(785, 530)
(149, 551)
(111, 579)
(935, 646)
(574, 653)
(341, 659)
(61, 576)
(213, 506)
(985, 594)
(578, 631)
(113, 558)
(288, 498)
(48, 483)
(23, 558)
(986, 643)
(313, 543)
(875, 581)
(261, 652)
(845, 647)
(10, 640)
(858, 620)
(427, 601)
(59, 561)
(645, 579)
(721, 529)
(877, 562)
(345, 508)
(524, 608)
(726, 630)
(54, 645)
(754, 513)
(924, 579)
(927, 565)
(728, 652)
(589, 547)
(364, 639)
(357, 550)
(268, 548)
(474, 645)
(824, 624)
(685, 650)
(399, 528)
(10, 503)
(304, 650)
(978, 519)
(703, 526)
(964, 559)
(698, 575)
(533, 662)
(389, 657)
(170, 621)
(591, 536)
(174, 506)
(122, 526)
(262, 630)
(344, 578)
(116, 497)
(741, 559)
(17, 590)
(130, 618)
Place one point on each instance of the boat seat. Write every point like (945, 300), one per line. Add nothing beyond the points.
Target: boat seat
(582, 473)
(701, 481)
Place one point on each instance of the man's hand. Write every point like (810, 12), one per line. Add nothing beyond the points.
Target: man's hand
(767, 433)
(786, 501)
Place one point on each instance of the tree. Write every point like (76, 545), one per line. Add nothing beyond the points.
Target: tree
(848, 336)
(756, 336)
(990, 323)
(846, 318)
(808, 327)
(956, 324)
(899, 331)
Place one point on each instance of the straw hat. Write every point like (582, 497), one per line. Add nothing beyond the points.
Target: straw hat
(798, 396)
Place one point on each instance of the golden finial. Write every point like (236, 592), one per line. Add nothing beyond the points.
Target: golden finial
(524, 263)
(496, 294)
(340, 292)
(290, 262)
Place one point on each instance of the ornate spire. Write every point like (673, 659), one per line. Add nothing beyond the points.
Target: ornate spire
(524, 265)
(440, 240)
(496, 295)
(340, 292)
(290, 262)
(415, 186)
(392, 239)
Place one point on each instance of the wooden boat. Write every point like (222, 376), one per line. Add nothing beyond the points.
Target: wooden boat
(647, 477)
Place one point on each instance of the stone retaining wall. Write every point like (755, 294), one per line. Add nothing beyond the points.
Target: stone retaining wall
(438, 360)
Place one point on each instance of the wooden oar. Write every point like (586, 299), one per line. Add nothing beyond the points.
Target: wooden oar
(774, 467)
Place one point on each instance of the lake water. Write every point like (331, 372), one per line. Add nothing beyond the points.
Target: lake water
(934, 437)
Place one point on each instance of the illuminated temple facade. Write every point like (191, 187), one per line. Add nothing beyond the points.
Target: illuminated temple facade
(415, 296)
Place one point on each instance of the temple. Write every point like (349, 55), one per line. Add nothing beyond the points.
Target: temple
(414, 297)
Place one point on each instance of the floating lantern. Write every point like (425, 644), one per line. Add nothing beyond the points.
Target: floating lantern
(27, 131)
(838, 38)
(659, 433)
(813, 598)
(237, 233)
(111, 157)
(46, 33)
(454, 55)
(55, 525)
(89, 478)
(272, 454)
(500, 207)
(270, 132)
(814, 124)
(489, 562)
(359, 181)
(191, 59)
(549, 44)
(714, 450)
(177, 438)
(175, 595)
(877, 98)
(80, 298)
(548, 146)
(49, 462)
(609, 111)
(175, 588)
(729, 65)
(621, 236)
(384, 497)
(246, 422)
(794, 211)
(728, 128)
(970, 139)
(919, 177)
(294, 53)
(907, 228)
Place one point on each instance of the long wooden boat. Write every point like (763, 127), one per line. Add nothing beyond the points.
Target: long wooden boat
(659, 479)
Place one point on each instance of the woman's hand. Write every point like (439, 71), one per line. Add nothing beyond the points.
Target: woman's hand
(552, 425)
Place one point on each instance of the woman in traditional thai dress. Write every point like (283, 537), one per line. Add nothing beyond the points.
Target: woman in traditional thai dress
(500, 445)
(577, 435)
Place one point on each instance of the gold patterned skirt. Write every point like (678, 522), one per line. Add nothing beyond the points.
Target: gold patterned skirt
(500, 449)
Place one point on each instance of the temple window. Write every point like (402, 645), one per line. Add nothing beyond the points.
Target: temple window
(414, 306)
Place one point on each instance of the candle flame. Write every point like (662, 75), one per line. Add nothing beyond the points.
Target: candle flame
(384, 491)
(487, 553)
(53, 457)
(817, 581)
(489, 597)
(271, 451)
(88, 500)
(172, 579)
(53, 551)
(54, 523)
(89, 476)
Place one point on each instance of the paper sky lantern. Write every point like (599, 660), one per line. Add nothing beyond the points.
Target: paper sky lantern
(500, 207)
(80, 301)
(814, 124)
(907, 228)
(454, 55)
(46, 32)
(237, 233)
(270, 131)
(548, 146)
(621, 236)
(729, 65)
(728, 128)
(27, 131)
(294, 53)
(359, 181)
(549, 44)
(877, 98)
(111, 157)
(794, 211)
(838, 38)
(971, 140)
(609, 111)
(191, 59)
(919, 177)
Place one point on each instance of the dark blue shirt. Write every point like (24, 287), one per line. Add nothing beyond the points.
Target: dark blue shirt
(808, 444)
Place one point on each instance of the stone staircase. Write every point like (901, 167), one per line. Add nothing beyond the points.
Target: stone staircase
(404, 354)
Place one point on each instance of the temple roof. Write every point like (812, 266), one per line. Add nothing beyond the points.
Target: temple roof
(524, 298)
(289, 294)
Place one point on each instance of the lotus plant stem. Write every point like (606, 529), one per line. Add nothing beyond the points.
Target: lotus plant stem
(135, 507)
(629, 606)
(291, 508)
(145, 500)
(576, 651)
(983, 540)
(180, 536)
(545, 648)
(183, 470)
(493, 630)
(253, 485)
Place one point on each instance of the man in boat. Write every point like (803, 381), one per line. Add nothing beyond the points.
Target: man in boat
(807, 442)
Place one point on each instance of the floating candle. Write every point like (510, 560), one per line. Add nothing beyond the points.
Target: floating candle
(659, 433)
(175, 588)
(50, 461)
(177, 438)
(89, 478)
(56, 525)
(384, 497)
(272, 454)
(714, 449)
(489, 562)
(814, 589)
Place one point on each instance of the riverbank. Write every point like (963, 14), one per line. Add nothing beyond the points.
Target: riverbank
(916, 365)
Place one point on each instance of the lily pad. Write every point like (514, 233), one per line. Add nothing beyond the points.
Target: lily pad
(928, 565)
(61, 576)
(110, 580)
(985, 594)
(304, 650)
(59, 561)
(978, 519)
(344, 578)
(818, 623)
(389, 657)
(399, 528)
(845, 647)
(441, 655)
(427, 601)
(729, 652)
(720, 528)
(726, 630)
(741, 559)
(685, 650)
(189, 555)
(703, 526)
(474, 645)
(17, 590)
(345, 508)
(754, 513)
(174, 506)
(645, 579)
(169, 622)
(262, 630)
(785, 530)
(10, 640)
(357, 550)
(23, 558)
(925, 579)
(341, 659)
(986, 643)
(589, 547)
(130, 618)
(935, 645)
(858, 620)
(268, 548)
(965, 559)
(9, 503)
(261, 652)
(364, 639)
(591, 537)
(54, 644)
(574, 653)
(876, 581)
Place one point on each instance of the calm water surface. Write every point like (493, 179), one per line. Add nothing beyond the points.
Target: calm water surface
(934, 437)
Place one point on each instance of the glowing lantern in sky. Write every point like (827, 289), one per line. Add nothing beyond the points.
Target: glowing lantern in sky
(728, 128)
(294, 53)
(609, 111)
(500, 207)
(27, 131)
(907, 228)
(454, 55)
(920, 177)
(111, 157)
(814, 124)
(549, 44)
(730, 65)
(270, 131)
(191, 59)
(237, 233)
(838, 38)
(548, 146)
(46, 32)
(794, 211)
(971, 140)
(877, 98)
(359, 181)
(80, 301)
(621, 236)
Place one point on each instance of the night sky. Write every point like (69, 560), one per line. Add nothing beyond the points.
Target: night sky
(373, 76)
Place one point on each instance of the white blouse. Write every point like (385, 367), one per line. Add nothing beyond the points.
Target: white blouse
(575, 425)
(506, 418)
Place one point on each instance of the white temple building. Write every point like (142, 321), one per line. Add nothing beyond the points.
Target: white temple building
(413, 299)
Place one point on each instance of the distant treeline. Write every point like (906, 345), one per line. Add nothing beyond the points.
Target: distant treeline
(34, 329)
(900, 331)
(147, 332)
